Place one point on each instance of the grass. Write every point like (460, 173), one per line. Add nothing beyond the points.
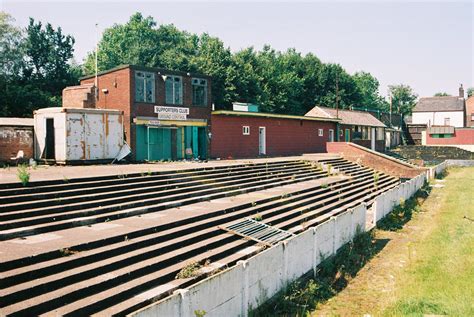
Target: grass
(441, 279)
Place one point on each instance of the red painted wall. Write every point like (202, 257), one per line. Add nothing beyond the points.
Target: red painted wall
(461, 136)
(283, 136)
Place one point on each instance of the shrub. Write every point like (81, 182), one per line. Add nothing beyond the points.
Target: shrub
(23, 174)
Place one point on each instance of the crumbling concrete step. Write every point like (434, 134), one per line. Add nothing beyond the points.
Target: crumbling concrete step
(142, 188)
(66, 189)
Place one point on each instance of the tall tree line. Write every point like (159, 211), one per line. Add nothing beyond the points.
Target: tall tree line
(38, 64)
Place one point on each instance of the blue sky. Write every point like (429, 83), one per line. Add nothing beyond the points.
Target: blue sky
(428, 45)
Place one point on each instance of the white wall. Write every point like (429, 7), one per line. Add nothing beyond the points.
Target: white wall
(437, 118)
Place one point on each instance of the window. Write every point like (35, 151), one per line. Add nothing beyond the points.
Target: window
(472, 116)
(447, 121)
(199, 87)
(174, 90)
(320, 132)
(144, 87)
(246, 130)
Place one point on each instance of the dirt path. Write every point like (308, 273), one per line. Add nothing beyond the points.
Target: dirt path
(373, 288)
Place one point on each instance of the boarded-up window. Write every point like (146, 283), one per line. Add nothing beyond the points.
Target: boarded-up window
(174, 90)
(199, 92)
(144, 87)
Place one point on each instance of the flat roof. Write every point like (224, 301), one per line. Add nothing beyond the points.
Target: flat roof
(25, 122)
(76, 110)
(271, 115)
(145, 68)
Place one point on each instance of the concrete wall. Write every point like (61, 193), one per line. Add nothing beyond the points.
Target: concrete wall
(283, 136)
(456, 118)
(375, 160)
(251, 282)
(14, 139)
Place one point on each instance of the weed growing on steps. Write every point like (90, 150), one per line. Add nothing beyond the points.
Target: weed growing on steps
(329, 166)
(302, 296)
(258, 217)
(23, 174)
(200, 313)
(190, 270)
(376, 180)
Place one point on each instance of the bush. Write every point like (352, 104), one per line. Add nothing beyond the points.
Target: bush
(23, 174)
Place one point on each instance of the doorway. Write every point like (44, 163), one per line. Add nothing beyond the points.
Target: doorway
(49, 151)
(262, 148)
(348, 135)
(331, 135)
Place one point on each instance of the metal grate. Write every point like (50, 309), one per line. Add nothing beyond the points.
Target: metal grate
(257, 231)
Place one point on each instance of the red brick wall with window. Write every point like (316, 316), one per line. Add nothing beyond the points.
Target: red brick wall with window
(461, 137)
(283, 136)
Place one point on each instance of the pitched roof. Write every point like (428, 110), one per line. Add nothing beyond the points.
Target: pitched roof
(16, 122)
(445, 103)
(349, 117)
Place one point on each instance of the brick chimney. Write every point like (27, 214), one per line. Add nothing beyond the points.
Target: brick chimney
(461, 92)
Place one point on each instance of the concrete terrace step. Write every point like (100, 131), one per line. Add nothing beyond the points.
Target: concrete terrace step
(30, 291)
(83, 217)
(99, 183)
(134, 264)
(141, 188)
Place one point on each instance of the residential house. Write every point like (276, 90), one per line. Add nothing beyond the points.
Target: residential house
(440, 111)
(359, 127)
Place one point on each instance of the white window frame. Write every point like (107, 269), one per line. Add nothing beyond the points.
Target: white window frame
(198, 82)
(144, 79)
(246, 130)
(320, 132)
(174, 102)
(447, 121)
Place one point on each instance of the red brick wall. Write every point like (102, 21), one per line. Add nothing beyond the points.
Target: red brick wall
(14, 139)
(461, 137)
(376, 161)
(121, 95)
(118, 97)
(283, 136)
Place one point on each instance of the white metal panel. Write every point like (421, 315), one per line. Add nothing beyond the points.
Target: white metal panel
(114, 135)
(76, 149)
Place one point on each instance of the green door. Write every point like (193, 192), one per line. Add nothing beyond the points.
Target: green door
(348, 135)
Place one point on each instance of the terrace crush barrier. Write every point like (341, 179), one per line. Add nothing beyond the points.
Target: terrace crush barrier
(236, 290)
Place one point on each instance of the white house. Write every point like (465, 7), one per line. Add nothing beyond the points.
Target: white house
(441, 111)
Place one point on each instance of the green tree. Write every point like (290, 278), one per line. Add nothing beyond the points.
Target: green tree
(470, 92)
(35, 67)
(403, 99)
(368, 87)
(441, 94)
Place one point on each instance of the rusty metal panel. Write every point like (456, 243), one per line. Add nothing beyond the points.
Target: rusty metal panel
(76, 149)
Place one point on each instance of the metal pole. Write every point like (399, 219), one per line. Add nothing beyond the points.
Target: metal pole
(96, 53)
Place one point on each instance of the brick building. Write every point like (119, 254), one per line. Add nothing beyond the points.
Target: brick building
(166, 113)
(16, 134)
(470, 112)
(359, 127)
(243, 134)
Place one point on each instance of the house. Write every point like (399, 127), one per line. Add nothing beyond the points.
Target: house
(16, 139)
(166, 113)
(440, 111)
(246, 133)
(359, 127)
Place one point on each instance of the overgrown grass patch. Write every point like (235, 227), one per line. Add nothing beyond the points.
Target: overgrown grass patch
(403, 212)
(302, 296)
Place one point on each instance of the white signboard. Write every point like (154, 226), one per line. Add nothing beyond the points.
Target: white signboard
(171, 113)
